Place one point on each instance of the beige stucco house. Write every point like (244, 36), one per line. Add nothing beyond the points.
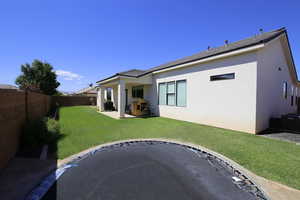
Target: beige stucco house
(237, 86)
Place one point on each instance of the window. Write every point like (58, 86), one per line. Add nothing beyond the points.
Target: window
(285, 90)
(171, 93)
(292, 95)
(222, 77)
(181, 93)
(162, 92)
(138, 92)
(296, 96)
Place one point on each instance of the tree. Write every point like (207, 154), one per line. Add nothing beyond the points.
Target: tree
(38, 76)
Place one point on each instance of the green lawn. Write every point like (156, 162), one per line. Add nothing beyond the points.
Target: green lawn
(83, 127)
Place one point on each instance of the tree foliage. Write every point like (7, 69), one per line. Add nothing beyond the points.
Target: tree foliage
(38, 76)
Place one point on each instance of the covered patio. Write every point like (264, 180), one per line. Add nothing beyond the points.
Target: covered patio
(122, 92)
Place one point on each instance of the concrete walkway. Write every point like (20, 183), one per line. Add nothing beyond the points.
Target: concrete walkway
(285, 136)
(22, 175)
(115, 114)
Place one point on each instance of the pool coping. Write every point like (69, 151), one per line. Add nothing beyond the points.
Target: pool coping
(271, 189)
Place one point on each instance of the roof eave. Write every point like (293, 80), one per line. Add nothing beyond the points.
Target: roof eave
(247, 48)
(213, 57)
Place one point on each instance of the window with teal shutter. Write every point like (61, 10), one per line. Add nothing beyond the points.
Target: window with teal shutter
(181, 93)
(162, 92)
(171, 93)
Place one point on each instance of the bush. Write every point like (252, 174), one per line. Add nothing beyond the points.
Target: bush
(52, 134)
(40, 132)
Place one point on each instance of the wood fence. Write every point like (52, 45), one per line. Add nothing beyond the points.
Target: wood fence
(17, 107)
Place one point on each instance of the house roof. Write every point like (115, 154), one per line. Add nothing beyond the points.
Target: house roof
(90, 90)
(132, 72)
(251, 41)
(8, 87)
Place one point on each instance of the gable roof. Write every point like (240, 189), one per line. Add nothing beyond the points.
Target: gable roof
(248, 42)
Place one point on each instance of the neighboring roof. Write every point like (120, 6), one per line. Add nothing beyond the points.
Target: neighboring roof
(90, 90)
(252, 41)
(8, 87)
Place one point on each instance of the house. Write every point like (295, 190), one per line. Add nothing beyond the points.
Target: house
(237, 86)
(8, 87)
(89, 91)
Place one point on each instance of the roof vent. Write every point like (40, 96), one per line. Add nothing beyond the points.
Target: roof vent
(261, 31)
(226, 42)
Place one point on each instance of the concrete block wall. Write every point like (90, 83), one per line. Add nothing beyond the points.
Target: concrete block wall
(13, 113)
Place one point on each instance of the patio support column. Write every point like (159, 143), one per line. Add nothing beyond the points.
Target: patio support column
(100, 98)
(112, 95)
(121, 98)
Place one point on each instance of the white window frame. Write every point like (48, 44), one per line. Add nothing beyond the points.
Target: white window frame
(171, 93)
(165, 84)
(184, 80)
(175, 93)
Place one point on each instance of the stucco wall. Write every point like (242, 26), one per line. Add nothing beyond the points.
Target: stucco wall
(147, 94)
(228, 104)
(270, 99)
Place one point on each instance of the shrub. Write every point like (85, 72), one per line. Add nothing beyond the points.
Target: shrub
(32, 133)
(53, 126)
(39, 132)
(52, 134)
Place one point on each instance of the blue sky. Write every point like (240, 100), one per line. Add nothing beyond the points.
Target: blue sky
(90, 40)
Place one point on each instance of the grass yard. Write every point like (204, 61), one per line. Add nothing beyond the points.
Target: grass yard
(277, 160)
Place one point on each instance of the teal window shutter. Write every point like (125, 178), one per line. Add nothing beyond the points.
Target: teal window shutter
(181, 93)
(162, 89)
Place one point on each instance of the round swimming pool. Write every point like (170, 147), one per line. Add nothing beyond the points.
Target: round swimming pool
(152, 170)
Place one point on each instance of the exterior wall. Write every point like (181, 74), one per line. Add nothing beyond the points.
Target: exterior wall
(228, 104)
(147, 94)
(270, 99)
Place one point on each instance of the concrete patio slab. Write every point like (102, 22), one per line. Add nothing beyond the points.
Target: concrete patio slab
(115, 114)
